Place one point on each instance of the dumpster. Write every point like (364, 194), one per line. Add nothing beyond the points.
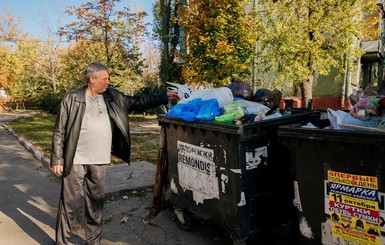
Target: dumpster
(339, 184)
(235, 176)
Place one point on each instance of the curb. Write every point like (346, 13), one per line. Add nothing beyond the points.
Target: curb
(28, 145)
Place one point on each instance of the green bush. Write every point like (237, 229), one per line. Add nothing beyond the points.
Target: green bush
(49, 103)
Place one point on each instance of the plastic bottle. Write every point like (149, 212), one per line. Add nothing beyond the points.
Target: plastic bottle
(286, 113)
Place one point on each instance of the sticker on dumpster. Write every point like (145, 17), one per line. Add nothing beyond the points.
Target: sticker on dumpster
(297, 198)
(196, 171)
(381, 198)
(354, 207)
(255, 157)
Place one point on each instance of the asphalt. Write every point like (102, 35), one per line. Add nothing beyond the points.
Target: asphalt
(29, 194)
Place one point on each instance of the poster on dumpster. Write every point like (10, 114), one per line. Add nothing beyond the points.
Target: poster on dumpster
(354, 207)
(196, 171)
(255, 157)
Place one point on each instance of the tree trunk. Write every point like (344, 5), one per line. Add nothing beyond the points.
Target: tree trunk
(165, 18)
(307, 90)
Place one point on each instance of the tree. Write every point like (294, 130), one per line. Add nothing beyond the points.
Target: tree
(78, 55)
(30, 67)
(167, 30)
(75, 58)
(220, 40)
(24, 84)
(304, 39)
(14, 57)
(152, 61)
(9, 27)
(99, 22)
(9, 34)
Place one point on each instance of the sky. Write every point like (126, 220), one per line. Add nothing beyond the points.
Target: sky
(35, 13)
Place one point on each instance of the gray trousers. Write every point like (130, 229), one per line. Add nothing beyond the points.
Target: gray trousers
(92, 178)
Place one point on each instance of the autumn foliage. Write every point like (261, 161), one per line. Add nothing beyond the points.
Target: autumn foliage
(219, 40)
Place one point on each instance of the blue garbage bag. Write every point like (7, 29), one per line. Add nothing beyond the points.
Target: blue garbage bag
(185, 111)
(209, 109)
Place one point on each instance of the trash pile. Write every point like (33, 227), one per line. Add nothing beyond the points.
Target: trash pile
(367, 112)
(234, 104)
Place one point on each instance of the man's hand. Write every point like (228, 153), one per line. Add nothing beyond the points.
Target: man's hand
(172, 95)
(57, 169)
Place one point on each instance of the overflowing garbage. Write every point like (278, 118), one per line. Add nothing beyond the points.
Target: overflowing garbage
(234, 104)
(367, 112)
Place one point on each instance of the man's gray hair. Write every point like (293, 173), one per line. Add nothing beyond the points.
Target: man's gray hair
(92, 70)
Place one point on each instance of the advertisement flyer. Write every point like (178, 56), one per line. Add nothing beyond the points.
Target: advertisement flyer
(354, 207)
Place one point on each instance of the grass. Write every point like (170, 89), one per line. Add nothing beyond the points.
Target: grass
(37, 129)
(144, 146)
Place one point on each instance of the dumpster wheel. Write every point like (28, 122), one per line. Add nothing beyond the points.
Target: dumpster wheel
(183, 220)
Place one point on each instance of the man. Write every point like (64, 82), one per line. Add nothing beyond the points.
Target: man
(91, 123)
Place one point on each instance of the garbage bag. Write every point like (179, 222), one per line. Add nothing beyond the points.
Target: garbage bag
(231, 113)
(366, 107)
(240, 89)
(269, 98)
(338, 118)
(186, 112)
(196, 109)
(223, 95)
(183, 90)
(254, 107)
(209, 109)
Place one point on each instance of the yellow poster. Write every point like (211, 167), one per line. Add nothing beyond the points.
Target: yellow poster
(354, 208)
(368, 182)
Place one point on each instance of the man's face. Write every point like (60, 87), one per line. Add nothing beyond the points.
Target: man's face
(100, 83)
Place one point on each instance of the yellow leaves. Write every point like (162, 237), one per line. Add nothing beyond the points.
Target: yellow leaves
(221, 39)
(224, 47)
(203, 39)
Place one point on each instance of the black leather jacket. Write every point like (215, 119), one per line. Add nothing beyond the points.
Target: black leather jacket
(70, 116)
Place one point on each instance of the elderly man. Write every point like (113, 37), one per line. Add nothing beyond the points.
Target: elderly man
(92, 122)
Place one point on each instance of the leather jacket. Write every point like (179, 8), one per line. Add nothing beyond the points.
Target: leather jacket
(70, 115)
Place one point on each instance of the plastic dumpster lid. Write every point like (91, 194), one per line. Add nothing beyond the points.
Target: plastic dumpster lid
(239, 129)
(209, 125)
(342, 135)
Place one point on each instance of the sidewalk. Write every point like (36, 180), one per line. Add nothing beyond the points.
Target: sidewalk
(30, 192)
